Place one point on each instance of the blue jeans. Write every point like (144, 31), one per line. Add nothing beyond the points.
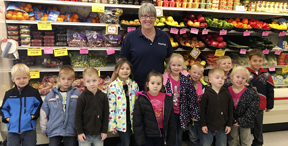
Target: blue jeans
(27, 138)
(92, 139)
(154, 141)
(221, 138)
(179, 130)
(195, 133)
(67, 140)
(125, 136)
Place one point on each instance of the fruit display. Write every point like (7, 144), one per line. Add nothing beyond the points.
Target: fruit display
(194, 21)
(249, 42)
(172, 23)
(210, 58)
(259, 25)
(189, 60)
(282, 59)
(126, 23)
(237, 23)
(214, 40)
(275, 25)
(18, 11)
(160, 21)
(218, 23)
(189, 41)
(173, 43)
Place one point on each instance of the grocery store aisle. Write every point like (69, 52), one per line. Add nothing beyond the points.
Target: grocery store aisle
(270, 139)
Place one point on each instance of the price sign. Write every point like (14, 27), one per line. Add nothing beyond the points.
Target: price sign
(44, 25)
(48, 50)
(159, 11)
(194, 30)
(60, 52)
(84, 50)
(265, 33)
(277, 52)
(234, 67)
(219, 52)
(34, 74)
(110, 51)
(183, 30)
(243, 51)
(223, 32)
(205, 31)
(174, 30)
(100, 8)
(246, 33)
(34, 51)
(195, 53)
(98, 72)
(271, 68)
(111, 29)
(131, 29)
(285, 69)
(283, 33)
(266, 51)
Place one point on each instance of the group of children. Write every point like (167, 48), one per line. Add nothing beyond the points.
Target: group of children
(227, 105)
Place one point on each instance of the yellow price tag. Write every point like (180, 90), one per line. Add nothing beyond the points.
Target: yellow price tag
(234, 66)
(44, 25)
(34, 52)
(111, 29)
(219, 52)
(60, 52)
(285, 69)
(100, 8)
(35, 74)
(99, 72)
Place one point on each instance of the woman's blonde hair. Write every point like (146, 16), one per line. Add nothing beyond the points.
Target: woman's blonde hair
(241, 68)
(147, 8)
(180, 57)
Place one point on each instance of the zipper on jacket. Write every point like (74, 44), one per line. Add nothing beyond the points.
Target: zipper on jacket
(20, 112)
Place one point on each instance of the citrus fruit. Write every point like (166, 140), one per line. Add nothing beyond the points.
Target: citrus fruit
(55, 9)
(19, 13)
(9, 15)
(75, 16)
(29, 6)
(20, 17)
(32, 18)
(14, 17)
(39, 7)
(26, 9)
(10, 12)
(93, 21)
(30, 10)
(26, 16)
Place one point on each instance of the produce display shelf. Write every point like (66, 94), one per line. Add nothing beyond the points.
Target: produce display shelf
(228, 50)
(74, 48)
(57, 23)
(82, 4)
(280, 85)
(278, 66)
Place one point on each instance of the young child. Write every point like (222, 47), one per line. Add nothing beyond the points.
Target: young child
(184, 94)
(57, 115)
(92, 111)
(225, 63)
(196, 73)
(246, 103)
(153, 114)
(216, 110)
(20, 108)
(263, 82)
(122, 96)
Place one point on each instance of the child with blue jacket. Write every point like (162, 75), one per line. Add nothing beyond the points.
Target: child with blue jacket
(57, 115)
(20, 108)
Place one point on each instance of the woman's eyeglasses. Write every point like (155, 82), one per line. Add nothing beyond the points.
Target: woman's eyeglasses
(146, 16)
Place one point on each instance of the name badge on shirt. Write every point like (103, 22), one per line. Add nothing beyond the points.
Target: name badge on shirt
(162, 44)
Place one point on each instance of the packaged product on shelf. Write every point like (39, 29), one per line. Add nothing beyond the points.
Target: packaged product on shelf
(97, 59)
(36, 33)
(47, 84)
(284, 45)
(25, 43)
(79, 60)
(282, 59)
(48, 41)
(28, 60)
(16, 7)
(25, 32)
(16, 38)
(25, 37)
(50, 33)
(95, 39)
(10, 32)
(53, 15)
(25, 27)
(271, 60)
(12, 27)
(52, 63)
(111, 15)
(36, 44)
(76, 39)
(61, 37)
(36, 41)
(113, 40)
(61, 44)
(35, 84)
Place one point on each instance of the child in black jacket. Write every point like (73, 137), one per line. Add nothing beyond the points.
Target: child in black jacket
(153, 117)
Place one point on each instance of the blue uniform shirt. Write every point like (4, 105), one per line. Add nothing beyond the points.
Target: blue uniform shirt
(144, 54)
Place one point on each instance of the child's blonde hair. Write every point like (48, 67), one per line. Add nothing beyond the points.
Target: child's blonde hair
(214, 70)
(90, 71)
(180, 57)
(20, 68)
(218, 61)
(198, 65)
(241, 68)
(66, 70)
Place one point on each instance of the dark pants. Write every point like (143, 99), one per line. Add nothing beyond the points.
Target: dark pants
(154, 141)
(195, 133)
(67, 140)
(257, 130)
(179, 130)
(27, 138)
(125, 137)
(220, 136)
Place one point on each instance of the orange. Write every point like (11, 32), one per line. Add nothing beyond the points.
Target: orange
(93, 21)
(39, 7)
(60, 19)
(55, 9)
(19, 17)
(48, 8)
(237, 19)
(26, 9)
(75, 16)
(14, 12)
(10, 12)
(78, 21)
(26, 16)
(19, 13)
(8, 15)
(32, 18)
(29, 6)
(30, 10)
(14, 17)
(43, 19)
(45, 15)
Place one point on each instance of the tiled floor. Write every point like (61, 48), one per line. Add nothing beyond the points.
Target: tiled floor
(270, 139)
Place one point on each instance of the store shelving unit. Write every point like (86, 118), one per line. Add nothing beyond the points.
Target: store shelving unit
(74, 48)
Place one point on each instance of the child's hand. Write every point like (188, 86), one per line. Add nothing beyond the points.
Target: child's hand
(268, 110)
(227, 129)
(236, 124)
(7, 119)
(32, 116)
(114, 132)
(193, 119)
(205, 129)
(82, 137)
(103, 136)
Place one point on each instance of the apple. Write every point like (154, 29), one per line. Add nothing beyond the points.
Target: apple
(224, 43)
(195, 20)
(201, 19)
(192, 17)
(189, 22)
(214, 35)
(219, 38)
(214, 43)
(205, 24)
(209, 42)
(202, 25)
(203, 37)
(209, 36)
(199, 16)
(220, 45)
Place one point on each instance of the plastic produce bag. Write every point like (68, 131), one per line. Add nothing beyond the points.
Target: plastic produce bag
(79, 60)
(97, 59)
(111, 15)
(113, 40)
(76, 39)
(95, 39)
